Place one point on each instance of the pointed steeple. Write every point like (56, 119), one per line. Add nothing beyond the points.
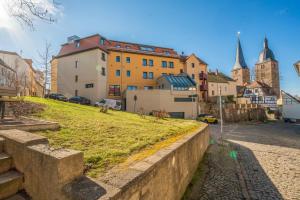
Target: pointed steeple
(239, 57)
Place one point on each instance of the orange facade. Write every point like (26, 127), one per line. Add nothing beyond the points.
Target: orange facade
(127, 70)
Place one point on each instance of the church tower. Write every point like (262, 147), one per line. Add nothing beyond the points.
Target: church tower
(266, 69)
(240, 72)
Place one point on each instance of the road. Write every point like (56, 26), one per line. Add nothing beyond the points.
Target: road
(267, 165)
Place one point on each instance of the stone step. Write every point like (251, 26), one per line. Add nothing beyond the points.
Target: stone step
(16, 197)
(5, 162)
(1, 144)
(10, 183)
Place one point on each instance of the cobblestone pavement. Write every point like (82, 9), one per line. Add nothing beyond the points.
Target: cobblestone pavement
(267, 164)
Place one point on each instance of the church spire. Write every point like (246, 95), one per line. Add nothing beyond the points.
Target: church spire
(239, 57)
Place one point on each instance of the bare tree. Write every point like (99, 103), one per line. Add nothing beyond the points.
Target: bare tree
(45, 60)
(26, 11)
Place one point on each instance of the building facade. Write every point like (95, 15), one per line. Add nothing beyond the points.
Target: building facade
(176, 95)
(82, 72)
(219, 82)
(26, 82)
(266, 69)
(113, 67)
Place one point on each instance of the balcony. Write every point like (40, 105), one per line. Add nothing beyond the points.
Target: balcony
(202, 76)
(203, 87)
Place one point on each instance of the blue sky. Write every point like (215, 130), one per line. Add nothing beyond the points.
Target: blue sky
(207, 28)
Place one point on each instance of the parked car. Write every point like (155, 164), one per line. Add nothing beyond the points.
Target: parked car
(110, 103)
(207, 118)
(80, 100)
(61, 97)
(52, 96)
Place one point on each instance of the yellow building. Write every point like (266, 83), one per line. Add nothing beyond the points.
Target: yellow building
(129, 66)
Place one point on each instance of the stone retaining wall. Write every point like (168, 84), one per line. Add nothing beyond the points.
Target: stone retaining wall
(46, 171)
(164, 175)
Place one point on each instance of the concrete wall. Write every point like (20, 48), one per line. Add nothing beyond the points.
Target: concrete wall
(89, 71)
(236, 112)
(161, 176)
(46, 171)
(227, 89)
(156, 100)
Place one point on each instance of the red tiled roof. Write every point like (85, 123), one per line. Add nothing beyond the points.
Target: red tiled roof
(88, 43)
(93, 42)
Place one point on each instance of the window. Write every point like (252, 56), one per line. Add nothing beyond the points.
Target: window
(89, 85)
(193, 65)
(164, 74)
(144, 62)
(148, 87)
(118, 72)
(128, 73)
(167, 53)
(76, 78)
(184, 99)
(171, 64)
(164, 64)
(150, 75)
(181, 71)
(114, 90)
(128, 59)
(103, 56)
(131, 87)
(150, 62)
(76, 63)
(118, 46)
(118, 59)
(103, 71)
(127, 47)
(225, 88)
(76, 92)
(102, 41)
(212, 92)
(77, 44)
(145, 75)
(193, 76)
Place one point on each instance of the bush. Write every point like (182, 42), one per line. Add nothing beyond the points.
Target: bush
(24, 108)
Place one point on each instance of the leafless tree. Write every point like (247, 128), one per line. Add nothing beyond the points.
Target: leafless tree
(45, 61)
(27, 11)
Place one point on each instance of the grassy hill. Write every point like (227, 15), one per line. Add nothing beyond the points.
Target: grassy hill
(106, 138)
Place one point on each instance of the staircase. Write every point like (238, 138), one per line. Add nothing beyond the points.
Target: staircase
(11, 181)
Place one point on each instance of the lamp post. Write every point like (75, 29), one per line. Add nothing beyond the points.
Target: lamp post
(220, 103)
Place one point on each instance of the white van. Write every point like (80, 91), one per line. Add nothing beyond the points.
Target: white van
(110, 103)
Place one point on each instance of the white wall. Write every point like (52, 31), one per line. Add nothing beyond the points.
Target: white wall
(291, 111)
(88, 71)
(22, 69)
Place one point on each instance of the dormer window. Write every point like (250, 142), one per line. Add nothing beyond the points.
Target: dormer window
(77, 44)
(144, 48)
(102, 41)
(127, 47)
(167, 53)
(118, 46)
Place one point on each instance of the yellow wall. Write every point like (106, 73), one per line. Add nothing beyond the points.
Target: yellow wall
(136, 69)
(198, 67)
(54, 75)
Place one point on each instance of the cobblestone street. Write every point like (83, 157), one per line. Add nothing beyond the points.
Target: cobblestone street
(267, 164)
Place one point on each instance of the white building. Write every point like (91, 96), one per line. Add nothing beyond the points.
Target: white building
(290, 107)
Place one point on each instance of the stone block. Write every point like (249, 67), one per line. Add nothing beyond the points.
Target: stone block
(10, 183)
(5, 162)
(50, 170)
(16, 143)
